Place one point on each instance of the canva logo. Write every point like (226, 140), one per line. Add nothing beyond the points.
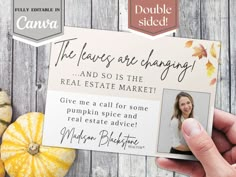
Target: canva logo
(24, 23)
(37, 22)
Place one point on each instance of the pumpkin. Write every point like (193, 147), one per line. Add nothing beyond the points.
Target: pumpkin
(2, 171)
(5, 111)
(24, 155)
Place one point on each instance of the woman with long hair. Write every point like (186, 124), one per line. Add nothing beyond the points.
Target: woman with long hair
(183, 109)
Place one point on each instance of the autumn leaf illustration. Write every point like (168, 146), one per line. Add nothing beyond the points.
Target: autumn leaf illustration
(213, 81)
(188, 44)
(210, 68)
(200, 52)
(213, 50)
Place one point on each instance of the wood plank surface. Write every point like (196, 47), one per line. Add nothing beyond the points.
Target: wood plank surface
(78, 14)
(189, 19)
(24, 79)
(123, 15)
(24, 69)
(214, 27)
(232, 52)
(42, 64)
(5, 46)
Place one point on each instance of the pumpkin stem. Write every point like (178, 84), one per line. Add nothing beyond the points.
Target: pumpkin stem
(33, 148)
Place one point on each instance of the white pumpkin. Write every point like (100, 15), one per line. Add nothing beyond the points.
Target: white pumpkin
(5, 111)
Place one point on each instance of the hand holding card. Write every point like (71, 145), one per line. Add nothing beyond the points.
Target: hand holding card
(206, 150)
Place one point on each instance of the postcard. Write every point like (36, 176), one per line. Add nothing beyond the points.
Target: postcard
(120, 92)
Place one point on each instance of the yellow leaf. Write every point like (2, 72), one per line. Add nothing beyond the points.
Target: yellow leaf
(199, 52)
(213, 50)
(188, 44)
(210, 68)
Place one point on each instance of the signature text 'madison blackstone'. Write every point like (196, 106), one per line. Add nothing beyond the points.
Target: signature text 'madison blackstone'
(103, 138)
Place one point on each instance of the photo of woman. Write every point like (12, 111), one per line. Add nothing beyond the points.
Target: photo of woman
(177, 106)
(183, 109)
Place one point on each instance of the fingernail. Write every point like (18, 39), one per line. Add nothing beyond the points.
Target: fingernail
(191, 127)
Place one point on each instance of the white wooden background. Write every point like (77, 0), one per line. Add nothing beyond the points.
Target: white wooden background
(24, 69)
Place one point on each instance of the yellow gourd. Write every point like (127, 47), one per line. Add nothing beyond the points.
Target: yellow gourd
(23, 154)
(2, 170)
(5, 111)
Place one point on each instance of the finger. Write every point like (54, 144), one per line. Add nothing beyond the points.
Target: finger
(180, 166)
(230, 156)
(226, 123)
(203, 147)
(221, 142)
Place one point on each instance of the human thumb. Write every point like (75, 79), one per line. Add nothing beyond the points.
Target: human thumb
(203, 147)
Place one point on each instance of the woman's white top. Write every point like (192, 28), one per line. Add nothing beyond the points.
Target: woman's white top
(176, 134)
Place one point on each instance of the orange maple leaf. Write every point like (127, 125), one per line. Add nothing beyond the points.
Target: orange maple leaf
(188, 44)
(213, 81)
(213, 50)
(210, 68)
(200, 52)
